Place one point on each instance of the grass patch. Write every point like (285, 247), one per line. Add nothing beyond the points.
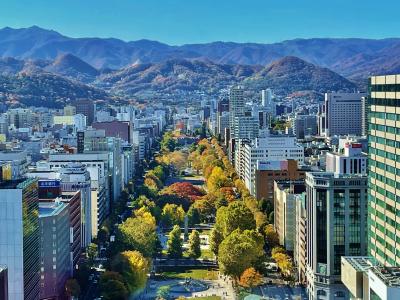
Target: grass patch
(193, 273)
(207, 254)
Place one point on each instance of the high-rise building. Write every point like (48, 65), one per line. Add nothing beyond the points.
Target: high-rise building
(75, 177)
(384, 169)
(364, 121)
(267, 172)
(223, 105)
(304, 125)
(222, 123)
(20, 237)
(285, 199)
(3, 282)
(54, 249)
(300, 244)
(120, 129)
(18, 161)
(69, 110)
(266, 97)
(343, 113)
(336, 227)
(20, 117)
(377, 276)
(87, 108)
(244, 127)
(236, 102)
(263, 149)
(73, 202)
(91, 140)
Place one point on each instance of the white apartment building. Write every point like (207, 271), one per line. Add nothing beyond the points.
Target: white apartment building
(74, 177)
(244, 127)
(97, 164)
(349, 160)
(267, 148)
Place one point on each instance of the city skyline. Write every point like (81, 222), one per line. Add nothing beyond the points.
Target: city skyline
(178, 23)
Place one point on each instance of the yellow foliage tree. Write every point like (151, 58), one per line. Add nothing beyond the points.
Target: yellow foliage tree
(217, 179)
(172, 214)
(284, 263)
(250, 278)
(133, 267)
(271, 236)
(145, 215)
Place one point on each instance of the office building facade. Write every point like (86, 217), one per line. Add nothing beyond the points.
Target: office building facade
(343, 113)
(336, 227)
(54, 249)
(20, 237)
(384, 169)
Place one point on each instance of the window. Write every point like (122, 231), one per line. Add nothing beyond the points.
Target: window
(340, 294)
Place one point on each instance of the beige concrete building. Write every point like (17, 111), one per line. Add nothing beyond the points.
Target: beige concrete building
(300, 245)
(285, 211)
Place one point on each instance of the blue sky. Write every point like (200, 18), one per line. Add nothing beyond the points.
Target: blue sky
(197, 21)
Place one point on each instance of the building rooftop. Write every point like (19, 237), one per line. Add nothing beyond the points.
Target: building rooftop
(15, 184)
(389, 275)
(48, 209)
(360, 263)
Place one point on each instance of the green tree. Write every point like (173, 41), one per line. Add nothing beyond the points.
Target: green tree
(133, 267)
(235, 216)
(174, 243)
(92, 252)
(194, 250)
(271, 217)
(168, 143)
(138, 233)
(172, 214)
(163, 292)
(266, 206)
(193, 215)
(240, 251)
(112, 286)
(216, 238)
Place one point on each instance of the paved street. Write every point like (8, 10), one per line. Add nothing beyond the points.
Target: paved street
(279, 292)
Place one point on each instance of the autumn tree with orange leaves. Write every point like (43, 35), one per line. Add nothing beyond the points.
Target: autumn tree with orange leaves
(250, 278)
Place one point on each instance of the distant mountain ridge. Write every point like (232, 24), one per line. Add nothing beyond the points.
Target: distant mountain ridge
(287, 75)
(353, 58)
(65, 77)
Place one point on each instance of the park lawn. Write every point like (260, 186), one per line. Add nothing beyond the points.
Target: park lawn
(207, 254)
(193, 273)
(206, 298)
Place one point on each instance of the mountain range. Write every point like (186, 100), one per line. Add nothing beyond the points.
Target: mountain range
(43, 66)
(353, 58)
